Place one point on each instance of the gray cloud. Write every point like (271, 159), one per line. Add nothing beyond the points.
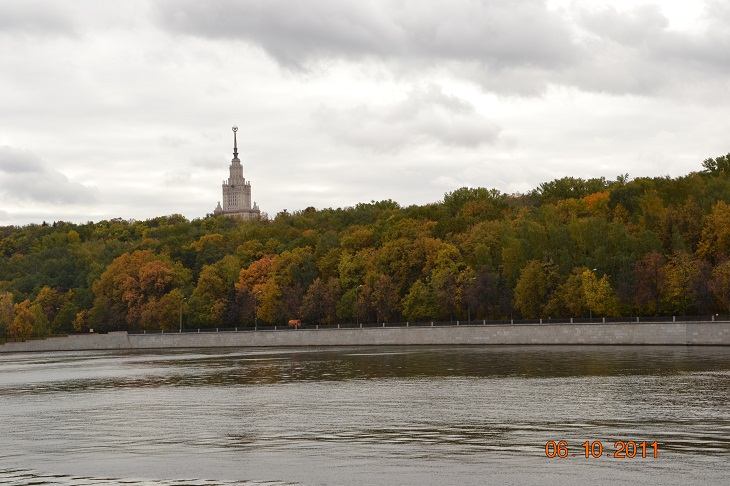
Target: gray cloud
(633, 28)
(35, 17)
(504, 46)
(502, 36)
(637, 52)
(24, 177)
(14, 161)
(125, 96)
(427, 115)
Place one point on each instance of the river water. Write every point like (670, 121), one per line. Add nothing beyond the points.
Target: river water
(380, 415)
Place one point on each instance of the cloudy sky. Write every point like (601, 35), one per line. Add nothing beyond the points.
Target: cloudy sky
(124, 108)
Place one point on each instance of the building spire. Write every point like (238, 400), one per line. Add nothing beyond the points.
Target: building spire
(235, 143)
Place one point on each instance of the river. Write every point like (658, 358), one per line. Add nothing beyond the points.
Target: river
(441, 415)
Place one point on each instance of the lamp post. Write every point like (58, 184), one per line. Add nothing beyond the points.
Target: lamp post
(357, 307)
(181, 304)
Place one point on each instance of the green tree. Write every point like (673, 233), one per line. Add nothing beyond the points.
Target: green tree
(420, 303)
(50, 301)
(568, 188)
(214, 295)
(569, 299)
(163, 312)
(534, 287)
(64, 319)
(680, 228)
(719, 165)
(447, 281)
(41, 326)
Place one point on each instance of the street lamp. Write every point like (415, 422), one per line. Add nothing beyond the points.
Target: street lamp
(357, 307)
(181, 304)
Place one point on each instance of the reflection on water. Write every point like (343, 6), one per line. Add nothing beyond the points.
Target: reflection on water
(384, 415)
(20, 477)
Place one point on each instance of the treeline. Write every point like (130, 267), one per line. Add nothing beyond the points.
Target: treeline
(569, 248)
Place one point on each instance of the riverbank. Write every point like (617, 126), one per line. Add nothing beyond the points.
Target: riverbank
(626, 333)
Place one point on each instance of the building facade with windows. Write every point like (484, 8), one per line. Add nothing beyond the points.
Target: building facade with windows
(237, 190)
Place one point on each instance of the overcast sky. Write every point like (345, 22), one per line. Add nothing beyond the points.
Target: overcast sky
(124, 108)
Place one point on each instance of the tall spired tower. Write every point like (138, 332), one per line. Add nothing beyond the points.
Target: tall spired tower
(236, 191)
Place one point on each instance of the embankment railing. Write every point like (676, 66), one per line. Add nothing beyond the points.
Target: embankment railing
(454, 323)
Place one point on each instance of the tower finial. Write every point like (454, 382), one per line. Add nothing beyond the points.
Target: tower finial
(235, 142)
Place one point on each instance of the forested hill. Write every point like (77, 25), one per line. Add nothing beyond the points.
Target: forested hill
(568, 248)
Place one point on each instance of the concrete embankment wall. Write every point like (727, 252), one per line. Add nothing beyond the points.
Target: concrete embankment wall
(680, 333)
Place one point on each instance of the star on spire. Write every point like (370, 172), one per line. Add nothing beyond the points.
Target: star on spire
(235, 142)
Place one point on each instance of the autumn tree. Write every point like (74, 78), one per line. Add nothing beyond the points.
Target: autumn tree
(208, 249)
(569, 299)
(162, 312)
(249, 286)
(650, 281)
(719, 284)
(320, 301)
(685, 284)
(132, 293)
(81, 321)
(715, 239)
(651, 210)
(447, 282)
(534, 287)
(599, 295)
(22, 326)
(50, 301)
(485, 295)
(481, 245)
(7, 312)
(680, 228)
(385, 298)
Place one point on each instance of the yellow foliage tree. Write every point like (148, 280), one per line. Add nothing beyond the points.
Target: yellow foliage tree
(715, 239)
(7, 312)
(599, 294)
(22, 325)
(131, 283)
